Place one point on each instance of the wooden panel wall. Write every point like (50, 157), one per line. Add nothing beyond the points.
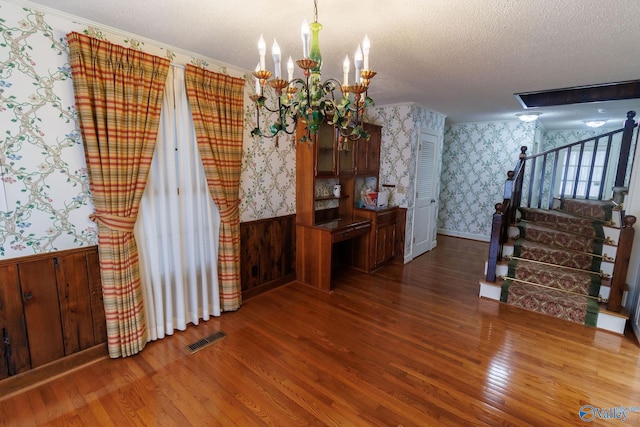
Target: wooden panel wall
(267, 254)
(50, 307)
(14, 351)
(74, 294)
(41, 310)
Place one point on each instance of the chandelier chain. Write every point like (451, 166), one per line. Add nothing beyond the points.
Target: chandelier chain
(315, 10)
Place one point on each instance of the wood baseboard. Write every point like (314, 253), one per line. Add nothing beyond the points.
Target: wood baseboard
(42, 374)
(265, 287)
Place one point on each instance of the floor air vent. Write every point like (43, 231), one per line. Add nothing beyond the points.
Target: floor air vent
(205, 342)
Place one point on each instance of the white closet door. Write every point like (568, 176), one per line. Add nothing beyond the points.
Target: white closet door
(426, 210)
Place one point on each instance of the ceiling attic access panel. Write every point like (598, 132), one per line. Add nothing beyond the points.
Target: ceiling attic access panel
(580, 94)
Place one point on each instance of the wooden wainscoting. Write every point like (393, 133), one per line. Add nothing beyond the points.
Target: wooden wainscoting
(51, 316)
(267, 254)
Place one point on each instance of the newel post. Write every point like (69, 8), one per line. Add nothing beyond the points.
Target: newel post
(625, 149)
(494, 243)
(621, 266)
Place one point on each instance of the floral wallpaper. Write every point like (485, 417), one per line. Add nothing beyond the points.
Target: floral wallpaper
(401, 129)
(44, 192)
(43, 174)
(268, 180)
(475, 161)
(558, 138)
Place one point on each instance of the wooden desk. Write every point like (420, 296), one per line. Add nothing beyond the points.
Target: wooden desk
(315, 248)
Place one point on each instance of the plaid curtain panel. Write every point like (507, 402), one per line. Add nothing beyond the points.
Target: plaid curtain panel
(216, 102)
(118, 93)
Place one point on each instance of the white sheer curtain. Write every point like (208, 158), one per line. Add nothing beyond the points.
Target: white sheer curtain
(177, 228)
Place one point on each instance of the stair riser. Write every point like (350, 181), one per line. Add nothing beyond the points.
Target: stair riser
(606, 321)
(606, 267)
(607, 250)
(611, 233)
(616, 214)
(611, 323)
(503, 269)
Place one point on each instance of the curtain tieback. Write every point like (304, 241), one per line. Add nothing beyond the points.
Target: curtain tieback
(114, 222)
(230, 211)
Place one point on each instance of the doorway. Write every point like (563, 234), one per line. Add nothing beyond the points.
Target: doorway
(427, 188)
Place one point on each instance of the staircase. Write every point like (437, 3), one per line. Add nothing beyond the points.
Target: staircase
(558, 246)
(560, 262)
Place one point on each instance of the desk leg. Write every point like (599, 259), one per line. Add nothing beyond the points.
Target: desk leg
(313, 257)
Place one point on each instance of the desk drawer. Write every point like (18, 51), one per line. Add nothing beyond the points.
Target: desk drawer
(387, 217)
(349, 232)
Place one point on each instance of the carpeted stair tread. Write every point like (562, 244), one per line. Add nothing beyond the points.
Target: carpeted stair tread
(553, 269)
(563, 279)
(564, 221)
(558, 238)
(575, 308)
(536, 251)
(598, 209)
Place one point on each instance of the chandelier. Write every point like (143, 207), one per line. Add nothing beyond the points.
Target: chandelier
(311, 99)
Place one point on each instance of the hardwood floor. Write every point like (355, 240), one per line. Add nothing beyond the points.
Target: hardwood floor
(409, 345)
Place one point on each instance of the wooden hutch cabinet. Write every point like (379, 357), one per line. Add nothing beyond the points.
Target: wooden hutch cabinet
(50, 307)
(330, 229)
(368, 153)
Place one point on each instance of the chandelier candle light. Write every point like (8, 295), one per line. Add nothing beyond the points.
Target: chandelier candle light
(311, 99)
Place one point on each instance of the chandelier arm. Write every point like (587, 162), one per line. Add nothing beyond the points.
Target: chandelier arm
(284, 111)
(257, 117)
(273, 135)
(295, 81)
(271, 110)
(348, 136)
(333, 81)
(289, 129)
(285, 130)
(329, 86)
(256, 132)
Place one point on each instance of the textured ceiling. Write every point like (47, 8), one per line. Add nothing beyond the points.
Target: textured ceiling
(462, 58)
